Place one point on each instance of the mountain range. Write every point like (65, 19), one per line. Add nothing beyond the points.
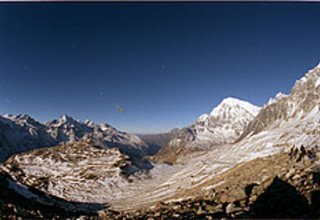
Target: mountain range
(88, 163)
(21, 133)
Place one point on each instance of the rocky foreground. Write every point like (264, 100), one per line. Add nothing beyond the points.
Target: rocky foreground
(80, 171)
(271, 187)
(14, 204)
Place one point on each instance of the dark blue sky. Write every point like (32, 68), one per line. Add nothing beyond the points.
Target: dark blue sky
(164, 63)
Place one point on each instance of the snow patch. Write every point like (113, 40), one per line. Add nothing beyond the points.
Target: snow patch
(317, 83)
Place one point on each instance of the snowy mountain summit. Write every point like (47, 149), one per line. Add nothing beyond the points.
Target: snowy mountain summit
(233, 104)
(223, 125)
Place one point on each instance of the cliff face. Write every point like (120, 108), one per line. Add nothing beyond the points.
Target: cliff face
(303, 99)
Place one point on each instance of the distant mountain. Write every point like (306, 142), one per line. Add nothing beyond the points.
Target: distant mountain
(156, 141)
(67, 130)
(22, 133)
(223, 125)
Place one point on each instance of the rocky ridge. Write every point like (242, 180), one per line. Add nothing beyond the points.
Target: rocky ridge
(303, 101)
(78, 171)
(21, 202)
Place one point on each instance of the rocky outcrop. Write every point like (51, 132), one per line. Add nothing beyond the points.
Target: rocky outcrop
(81, 171)
(21, 202)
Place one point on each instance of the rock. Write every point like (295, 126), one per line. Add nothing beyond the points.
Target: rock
(203, 204)
(176, 207)
(176, 215)
(253, 198)
(196, 204)
(264, 178)
(200, 211)
(290, 173)
(232, 208)
(210, 193)
(233, 195)
(210, 208)
(243, 203)
(218, 211)
(297, 182)
(295, 177)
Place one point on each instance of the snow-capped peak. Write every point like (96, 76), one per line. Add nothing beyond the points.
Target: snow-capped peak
(234, 102)
(66, 119)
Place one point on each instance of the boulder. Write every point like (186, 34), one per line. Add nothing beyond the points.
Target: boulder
(233, 195)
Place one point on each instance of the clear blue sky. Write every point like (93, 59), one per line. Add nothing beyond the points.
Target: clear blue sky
(165, 63)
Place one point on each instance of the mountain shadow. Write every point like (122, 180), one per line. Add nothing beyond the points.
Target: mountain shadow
(153, 149)
(282, 200)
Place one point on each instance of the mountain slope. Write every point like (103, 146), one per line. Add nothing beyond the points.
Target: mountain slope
(223, 125)
(294, 117)
(156, 141)
(21, 133)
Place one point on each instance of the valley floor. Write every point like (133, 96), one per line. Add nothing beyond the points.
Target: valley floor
(202, 188)
(269, 187)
